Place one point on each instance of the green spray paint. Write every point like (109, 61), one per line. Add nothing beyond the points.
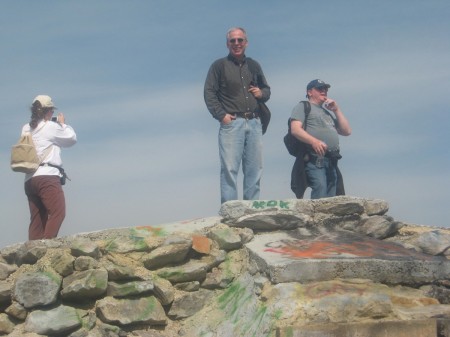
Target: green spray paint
(238, 296)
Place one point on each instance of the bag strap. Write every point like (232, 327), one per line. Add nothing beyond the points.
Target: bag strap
(46, 153)
(32, 132)
(61, 170)
(307, 109)
(47, 150)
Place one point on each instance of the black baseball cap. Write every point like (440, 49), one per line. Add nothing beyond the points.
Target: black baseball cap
(317, 84)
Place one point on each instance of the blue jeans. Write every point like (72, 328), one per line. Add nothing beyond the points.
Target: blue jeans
(240, 141)
(322, 179)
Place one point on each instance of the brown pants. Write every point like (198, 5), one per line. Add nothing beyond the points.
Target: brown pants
(47, 206)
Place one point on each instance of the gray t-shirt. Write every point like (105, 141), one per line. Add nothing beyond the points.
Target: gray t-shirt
(320, 124)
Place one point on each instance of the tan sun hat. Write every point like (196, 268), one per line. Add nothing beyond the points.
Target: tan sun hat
(46, 101)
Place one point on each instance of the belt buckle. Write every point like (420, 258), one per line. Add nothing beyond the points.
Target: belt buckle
(247, 115)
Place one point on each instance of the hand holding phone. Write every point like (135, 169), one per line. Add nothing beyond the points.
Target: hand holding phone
(59, 119)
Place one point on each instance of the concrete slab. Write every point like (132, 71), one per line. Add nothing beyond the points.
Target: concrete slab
(290, 256)
(417, 328)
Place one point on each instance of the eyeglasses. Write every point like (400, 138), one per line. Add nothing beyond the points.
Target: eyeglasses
(238, 40)
(321, 89)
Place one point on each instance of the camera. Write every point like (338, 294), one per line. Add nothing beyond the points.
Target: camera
(54, 119)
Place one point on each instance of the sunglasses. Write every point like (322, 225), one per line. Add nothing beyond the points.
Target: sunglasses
(239, 40)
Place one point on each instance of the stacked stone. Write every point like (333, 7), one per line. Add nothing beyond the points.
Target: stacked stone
(97, 288)
(214, 279)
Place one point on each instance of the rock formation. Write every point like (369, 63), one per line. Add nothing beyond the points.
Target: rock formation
(330, 267)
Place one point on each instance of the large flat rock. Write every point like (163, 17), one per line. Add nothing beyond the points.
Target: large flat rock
(419, 328)
(290, 256)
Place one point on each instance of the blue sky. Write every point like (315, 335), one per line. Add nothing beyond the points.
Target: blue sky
(129, 77)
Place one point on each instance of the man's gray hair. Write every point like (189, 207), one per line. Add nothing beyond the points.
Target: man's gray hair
(236, 28)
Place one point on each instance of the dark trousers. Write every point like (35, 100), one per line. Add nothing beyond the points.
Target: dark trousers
(47, 206)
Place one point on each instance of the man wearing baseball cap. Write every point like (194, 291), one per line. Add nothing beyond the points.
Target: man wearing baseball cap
(319, 130)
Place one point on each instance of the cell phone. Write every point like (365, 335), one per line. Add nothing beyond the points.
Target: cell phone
(54, 119)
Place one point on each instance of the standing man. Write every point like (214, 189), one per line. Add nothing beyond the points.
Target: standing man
(323, 124)
(233, 87)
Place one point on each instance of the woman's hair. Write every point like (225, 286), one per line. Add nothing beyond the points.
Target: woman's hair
(37, 113)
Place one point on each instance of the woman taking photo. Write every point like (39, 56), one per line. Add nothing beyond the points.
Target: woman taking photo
(43, 187)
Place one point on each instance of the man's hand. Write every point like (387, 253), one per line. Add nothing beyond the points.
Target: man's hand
(319, 147)
(330, 104)
(228, 118)
(255, 91)
(298, 132)
(343, 127)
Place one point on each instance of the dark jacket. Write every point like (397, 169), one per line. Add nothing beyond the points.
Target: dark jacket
(299, 181)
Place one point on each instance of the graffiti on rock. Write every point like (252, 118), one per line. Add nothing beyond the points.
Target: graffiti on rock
(341, 247)
(261, 204)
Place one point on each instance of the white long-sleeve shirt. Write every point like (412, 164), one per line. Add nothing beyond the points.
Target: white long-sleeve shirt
(54, 135)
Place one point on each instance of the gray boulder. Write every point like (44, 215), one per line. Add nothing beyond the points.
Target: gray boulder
(141, 310)
(85, 285)
(55, 321)
(37, 288)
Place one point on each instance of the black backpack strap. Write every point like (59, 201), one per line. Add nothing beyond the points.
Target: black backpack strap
(307, 108)
(61, 170)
